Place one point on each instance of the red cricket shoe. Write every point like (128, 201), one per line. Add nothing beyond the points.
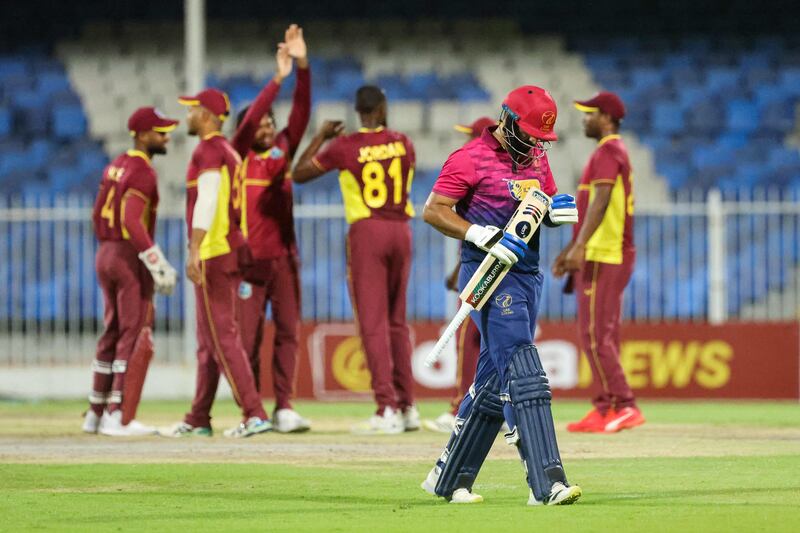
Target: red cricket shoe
(593, 422)
(625, 418)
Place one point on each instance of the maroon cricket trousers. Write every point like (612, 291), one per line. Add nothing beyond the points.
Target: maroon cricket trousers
(281, 289)
(379, 263)
(219, 346)
(599, 288)
(127, 299)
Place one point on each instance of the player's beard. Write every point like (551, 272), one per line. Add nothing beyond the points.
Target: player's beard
(160, 149)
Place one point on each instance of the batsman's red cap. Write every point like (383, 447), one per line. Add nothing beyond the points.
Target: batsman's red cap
(605, 102)
(534, 110)
(475, 129)
(150, 118)
(214, 100)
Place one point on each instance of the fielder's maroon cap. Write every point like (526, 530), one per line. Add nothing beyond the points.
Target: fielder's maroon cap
(475, 129)
(150, 118)
(214, 100)
(535, 111)
(605, 102)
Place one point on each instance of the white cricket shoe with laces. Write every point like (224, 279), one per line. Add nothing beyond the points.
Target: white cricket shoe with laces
(429, 485)
(390, 423)
(444, 423)
(91, 422)
(465, 496)
(411, 418)
(289, 421)
(111, 426)
(253, 426)
(560, 494)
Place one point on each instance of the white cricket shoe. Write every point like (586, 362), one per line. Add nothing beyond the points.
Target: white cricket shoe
(560, 494)
(444, 423)
(429, 485)
(253, 426)
(91, 422)
(411, 418)
(289, 421)
(182, 429)
(111, 425)
(465, 496)
(391, 423)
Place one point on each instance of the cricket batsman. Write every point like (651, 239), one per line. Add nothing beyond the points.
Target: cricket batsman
(129, 266)
(484, 181)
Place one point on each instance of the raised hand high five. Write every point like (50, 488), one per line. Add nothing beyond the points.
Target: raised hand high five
(283, 61)
(296, 45)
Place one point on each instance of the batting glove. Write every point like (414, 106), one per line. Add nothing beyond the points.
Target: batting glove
(563, 210)
(163, 274)
(504, 246)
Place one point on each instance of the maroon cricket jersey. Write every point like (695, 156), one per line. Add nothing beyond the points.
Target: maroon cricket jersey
(215, 153)
(608, 165)
(267, 213)
(130, 174)
(377, 168)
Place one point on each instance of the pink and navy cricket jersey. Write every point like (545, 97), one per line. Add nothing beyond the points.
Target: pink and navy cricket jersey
(479, 175)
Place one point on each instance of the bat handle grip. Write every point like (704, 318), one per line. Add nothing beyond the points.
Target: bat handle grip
(452, 327)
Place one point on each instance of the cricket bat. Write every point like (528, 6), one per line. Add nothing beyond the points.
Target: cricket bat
(490, 273)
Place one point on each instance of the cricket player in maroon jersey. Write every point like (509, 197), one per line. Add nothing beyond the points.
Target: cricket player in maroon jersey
(377, 168)
(468, 337)
(128, 265)
(600, 260)
(212, 217)
(268, 224)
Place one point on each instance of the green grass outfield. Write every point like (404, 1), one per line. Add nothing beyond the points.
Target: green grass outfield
(693, 467)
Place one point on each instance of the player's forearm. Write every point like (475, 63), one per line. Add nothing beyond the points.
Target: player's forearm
(445, 220)
(196, 239)
(306, 170)
(594, 216)
(133, 222)
(301, 107)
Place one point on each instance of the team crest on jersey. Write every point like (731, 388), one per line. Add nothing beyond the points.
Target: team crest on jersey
(519, 188)
(275, 153)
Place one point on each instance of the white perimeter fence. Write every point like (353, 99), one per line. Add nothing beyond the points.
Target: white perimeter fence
(702, 257)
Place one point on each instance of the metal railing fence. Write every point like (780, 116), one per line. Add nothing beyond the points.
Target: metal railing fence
(702, 257)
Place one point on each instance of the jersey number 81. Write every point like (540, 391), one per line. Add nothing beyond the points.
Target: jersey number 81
(375, 191)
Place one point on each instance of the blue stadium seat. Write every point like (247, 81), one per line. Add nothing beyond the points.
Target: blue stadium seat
(49, 83)
(685, 76)
(789, 80)
(63, 179)
(742, 116)
(667, 117)
(778, 117)
(6, 122)
(719, 79)
(646, 78)
(710, 156)
(704, 118)
(757, 77)
(68, 122)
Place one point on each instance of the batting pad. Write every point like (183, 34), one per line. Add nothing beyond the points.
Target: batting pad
(139, 362)
(468, 446)
(530, 397)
